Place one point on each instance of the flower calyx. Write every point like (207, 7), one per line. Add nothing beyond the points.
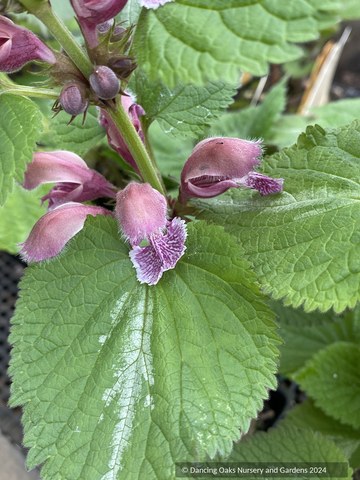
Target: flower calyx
(111, 51)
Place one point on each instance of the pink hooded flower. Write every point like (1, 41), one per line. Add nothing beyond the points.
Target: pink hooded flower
(154, 4)
(52, 231)
(75, 181)
(141, 212)
(115, 138)
(91, 13)
(217, 164)
(18, 46)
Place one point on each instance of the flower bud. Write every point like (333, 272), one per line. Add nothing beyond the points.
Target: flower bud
(73, 98)
(122, 65)
(104, 82)
(104, 27)
(217, 164)
(18, 46)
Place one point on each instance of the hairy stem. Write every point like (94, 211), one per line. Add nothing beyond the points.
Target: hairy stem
(8, 86)
(136, 147)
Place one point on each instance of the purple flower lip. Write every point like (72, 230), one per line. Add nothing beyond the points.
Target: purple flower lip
(141, 212)
(217, 164)
(53, 230)
(18, 46)
(75, 181)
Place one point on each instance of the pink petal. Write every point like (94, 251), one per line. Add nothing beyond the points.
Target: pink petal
(208, 188)
(141, 211)
(214, 162)
(265, 185)
(59, 166)
(76, 181)
(25, 46)
(5, 48)
(50, 234)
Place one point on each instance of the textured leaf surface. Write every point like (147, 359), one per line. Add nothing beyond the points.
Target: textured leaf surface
(187, 110)
(286, 130)
(253, 122)
(304, 243)
(288, 316)
(170, 153)
(130, 12)
(75, 137)
(20, 213)
(332, 378)
(302, 343)
(306, 415)
(119, 379)
(288, 445)
(20, 127)
(197, 40)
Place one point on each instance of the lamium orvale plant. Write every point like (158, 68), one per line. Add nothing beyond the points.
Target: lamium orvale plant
(185, 254)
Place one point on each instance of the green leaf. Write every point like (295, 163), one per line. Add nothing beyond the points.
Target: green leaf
(289, 445)
(22, 210)
(186, 110)
(286, 130)
(253, 122)
(332, 378)
(288, 316)
(130, 12)
(304, 243)
(120, 380)
(75, 137)
(302, 343)
(350, 9)
(20, 127)
(194, 41)
(306, 415)
(170, 153)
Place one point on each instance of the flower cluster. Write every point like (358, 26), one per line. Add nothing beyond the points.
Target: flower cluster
(214, 166)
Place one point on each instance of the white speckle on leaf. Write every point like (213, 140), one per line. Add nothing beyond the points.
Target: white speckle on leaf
(131, 371)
